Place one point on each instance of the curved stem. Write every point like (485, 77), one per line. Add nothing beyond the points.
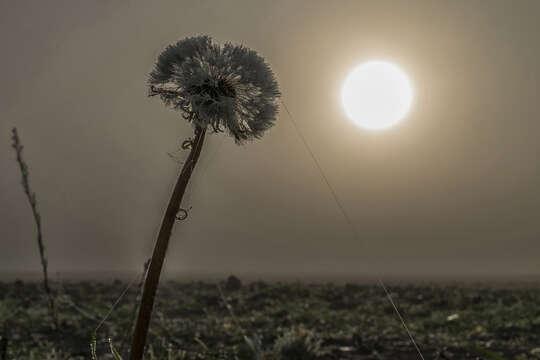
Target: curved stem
(160, 249)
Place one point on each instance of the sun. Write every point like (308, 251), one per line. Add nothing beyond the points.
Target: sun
(377, 95)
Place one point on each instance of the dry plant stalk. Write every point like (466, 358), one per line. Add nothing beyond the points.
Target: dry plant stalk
(17, 145)
(160, 249)
(138, 296)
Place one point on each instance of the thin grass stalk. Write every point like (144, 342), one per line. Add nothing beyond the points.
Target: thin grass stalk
(160, 249)
(17, 145)
(93, 347)
(136, 304)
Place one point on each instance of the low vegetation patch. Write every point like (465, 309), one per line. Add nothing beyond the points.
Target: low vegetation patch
(281, 321)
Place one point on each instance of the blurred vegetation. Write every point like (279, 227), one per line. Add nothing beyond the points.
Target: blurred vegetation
(281, 321)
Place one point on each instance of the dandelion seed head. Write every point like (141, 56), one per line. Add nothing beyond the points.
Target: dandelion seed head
(230, 88)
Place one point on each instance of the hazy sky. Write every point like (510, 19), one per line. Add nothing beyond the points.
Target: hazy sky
(453, 190)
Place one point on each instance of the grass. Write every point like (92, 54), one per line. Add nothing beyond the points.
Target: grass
(283, 321)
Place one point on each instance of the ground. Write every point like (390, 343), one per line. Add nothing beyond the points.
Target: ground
(291, 320)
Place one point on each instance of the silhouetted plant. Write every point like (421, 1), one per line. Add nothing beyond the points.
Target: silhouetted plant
(228, 88)
(17, 145)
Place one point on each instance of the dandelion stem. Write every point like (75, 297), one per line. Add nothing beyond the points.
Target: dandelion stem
(160, 249)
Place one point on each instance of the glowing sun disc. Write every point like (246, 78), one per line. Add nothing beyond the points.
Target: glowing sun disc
(377, 95)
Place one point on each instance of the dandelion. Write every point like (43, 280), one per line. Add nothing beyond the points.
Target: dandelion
(227, 88)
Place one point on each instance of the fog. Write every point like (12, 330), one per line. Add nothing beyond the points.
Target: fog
(453, 191)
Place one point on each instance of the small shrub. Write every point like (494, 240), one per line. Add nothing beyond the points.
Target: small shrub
(298, 344)
(233, 283)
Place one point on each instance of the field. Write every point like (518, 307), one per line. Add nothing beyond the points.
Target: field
(281, 320)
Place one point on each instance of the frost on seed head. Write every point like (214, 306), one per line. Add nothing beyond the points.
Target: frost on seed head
(228, 87)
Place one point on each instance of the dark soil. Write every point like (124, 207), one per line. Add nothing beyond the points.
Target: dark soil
(292, 321)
